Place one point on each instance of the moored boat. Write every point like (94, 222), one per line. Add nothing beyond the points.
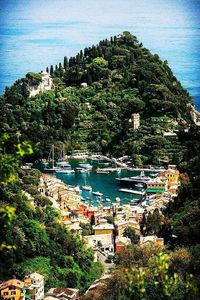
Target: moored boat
(87, 188)
(97, 193)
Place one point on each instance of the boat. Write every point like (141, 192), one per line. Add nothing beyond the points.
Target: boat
(77, 189)
(97, 193)
(63, 164)
(135, 200)
(87, 188)
(139, 185)
(86, 166)
(117, 199)
(65, 171)
(108, 200)
(53, 169)
(101, 171)
(132, 191)
(84, 170)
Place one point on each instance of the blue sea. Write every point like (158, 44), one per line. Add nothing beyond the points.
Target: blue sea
(37, 33)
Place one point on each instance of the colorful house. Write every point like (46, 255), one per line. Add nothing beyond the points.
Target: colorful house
(103, 228)
(157, 185)
(172, 177)
(12, 289)
(34, 285)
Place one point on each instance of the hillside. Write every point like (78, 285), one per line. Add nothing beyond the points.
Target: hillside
(90, 107)
(98, 90)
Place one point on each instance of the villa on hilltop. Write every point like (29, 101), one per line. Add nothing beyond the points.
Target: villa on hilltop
(46, 84)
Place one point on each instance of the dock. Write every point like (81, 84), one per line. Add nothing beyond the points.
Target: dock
(130, 191)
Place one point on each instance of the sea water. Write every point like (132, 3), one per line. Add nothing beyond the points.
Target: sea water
(37, 33)
(106, 184)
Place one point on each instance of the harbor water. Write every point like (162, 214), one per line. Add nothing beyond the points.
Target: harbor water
(103, 183)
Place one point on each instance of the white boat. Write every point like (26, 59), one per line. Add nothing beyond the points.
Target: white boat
(84, 170)
(108, 200)
(77, 189)
(139, 185)
(97, 193)
(52, 169)
(132, 191)
(86, 166)
(133, 201)
(65, 171)
(87, 188)
(101, 171)
(117, 199)
(63, 164)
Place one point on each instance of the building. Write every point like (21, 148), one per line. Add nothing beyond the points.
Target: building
(102, 241)
(157, 185)
(121, 243)
(152, 239)
(172, 176)
(34, 285)
(62, 294)
(42, 186)
(45, 85)
(135, 119)
(103, 228)
(12, 289)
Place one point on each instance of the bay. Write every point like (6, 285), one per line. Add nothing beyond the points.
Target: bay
(37, 33)
(103, 183)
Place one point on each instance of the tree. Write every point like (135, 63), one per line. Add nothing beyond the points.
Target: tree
(65, 63)
(131, 234)
(51, 70)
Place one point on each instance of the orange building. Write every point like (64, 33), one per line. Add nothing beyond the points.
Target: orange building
(12, 289)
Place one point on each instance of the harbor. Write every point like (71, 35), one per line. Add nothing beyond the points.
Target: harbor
(100, 180)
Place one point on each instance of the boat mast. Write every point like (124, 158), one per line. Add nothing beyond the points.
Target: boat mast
(52, 156)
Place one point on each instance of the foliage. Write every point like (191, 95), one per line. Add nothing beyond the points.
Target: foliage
(151, 280)
(131, 234)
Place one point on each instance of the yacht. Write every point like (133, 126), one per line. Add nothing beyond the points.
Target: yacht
(97, 193)
(108, 200)
(86, 166)
(87, 188)
(65, 170)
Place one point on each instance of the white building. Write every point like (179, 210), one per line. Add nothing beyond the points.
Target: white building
(135, 118)
(45, 85)
(34, 284)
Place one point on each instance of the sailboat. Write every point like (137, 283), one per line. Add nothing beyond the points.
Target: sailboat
(65, 167)
(53, 169)
(87, 187)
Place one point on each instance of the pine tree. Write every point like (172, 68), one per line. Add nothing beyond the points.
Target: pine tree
(65, 63)
(47, 69)
(51, 70)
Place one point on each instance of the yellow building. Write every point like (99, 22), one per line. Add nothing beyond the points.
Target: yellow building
(157, 185)
(12, 290)
(172, 177)
(122, 225)
(103, 228)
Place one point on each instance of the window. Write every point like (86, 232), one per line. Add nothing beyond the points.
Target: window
(12, 287)
(5, 293)
(13, 293)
